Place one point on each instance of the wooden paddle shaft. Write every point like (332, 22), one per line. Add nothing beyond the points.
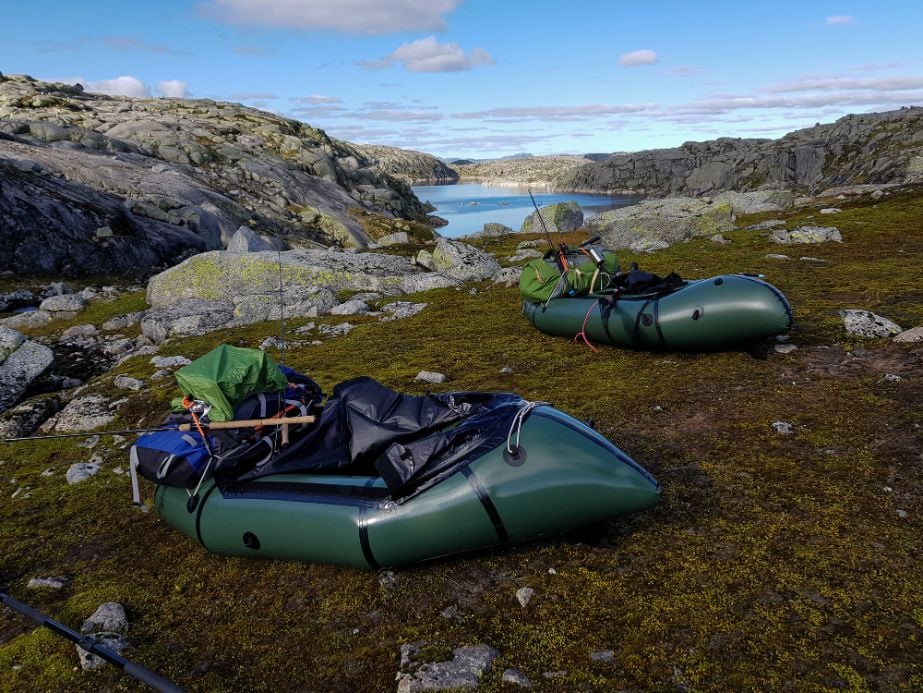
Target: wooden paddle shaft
(251, 423)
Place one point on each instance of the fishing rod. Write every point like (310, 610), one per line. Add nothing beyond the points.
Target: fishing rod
(562, 249)
(88, 643)
(214, 425)
(126, 431)
(281, 312)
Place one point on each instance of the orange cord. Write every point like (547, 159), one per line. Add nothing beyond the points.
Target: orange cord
(188, 404)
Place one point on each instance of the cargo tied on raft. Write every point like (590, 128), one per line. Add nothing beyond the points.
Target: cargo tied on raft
(380, 479)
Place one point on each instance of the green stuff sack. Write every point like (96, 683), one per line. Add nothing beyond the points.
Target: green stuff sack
(227, 375)
(538, 281)
(580, 275)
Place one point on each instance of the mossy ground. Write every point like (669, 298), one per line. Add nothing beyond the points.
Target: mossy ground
(772, 563)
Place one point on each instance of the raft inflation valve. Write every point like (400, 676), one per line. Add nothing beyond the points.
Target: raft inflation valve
(515, 456)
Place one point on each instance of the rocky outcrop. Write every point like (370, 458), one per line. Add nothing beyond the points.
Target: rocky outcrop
(462, 261)
(24, 362)
(51, 225)
(807, 234)
(533, 170)
(222, 289)
(168, 175)
(864, 323)
(25, 418)
(559, 217)
(416, 168)
(108, 626)
(245, 240)
(870, 148)
(655, 224)
(463, 671)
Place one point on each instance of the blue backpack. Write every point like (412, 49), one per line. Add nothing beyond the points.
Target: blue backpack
(173, 458)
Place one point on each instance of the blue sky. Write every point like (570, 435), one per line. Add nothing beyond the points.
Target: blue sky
(488, 78)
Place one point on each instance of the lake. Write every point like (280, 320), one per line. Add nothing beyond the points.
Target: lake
(468, 206)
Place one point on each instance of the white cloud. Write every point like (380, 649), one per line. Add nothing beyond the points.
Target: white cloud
(840, 19)
(348, 16)
(320, 98)
(644, 56)
(248, 49)
(681, 71)
(428, 55)
(548, 113)
(119, 86)
(400, 116)
(876, 100)
(130, 43)
(252, 96)
(172, 87)
(837, 83)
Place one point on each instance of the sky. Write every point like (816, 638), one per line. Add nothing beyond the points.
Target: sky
(491, 78)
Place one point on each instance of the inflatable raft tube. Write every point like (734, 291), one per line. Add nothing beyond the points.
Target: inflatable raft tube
(724, 312)
(564, 475)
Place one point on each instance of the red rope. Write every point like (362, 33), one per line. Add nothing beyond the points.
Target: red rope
(582, 333)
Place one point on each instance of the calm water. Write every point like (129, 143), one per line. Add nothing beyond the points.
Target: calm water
(468, 206)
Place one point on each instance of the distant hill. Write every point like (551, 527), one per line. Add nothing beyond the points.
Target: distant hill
(870, 148)
(535, 170)
(416, 168)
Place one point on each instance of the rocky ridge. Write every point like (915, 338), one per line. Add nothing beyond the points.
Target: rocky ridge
(872, 148)
(415, 168)
(540, 171)
(159, 177)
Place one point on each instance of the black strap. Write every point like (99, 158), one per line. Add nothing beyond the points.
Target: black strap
(198, 517)
(637, 333)
(657, 321)
(488, 504)
(606, 304)
(364, 539)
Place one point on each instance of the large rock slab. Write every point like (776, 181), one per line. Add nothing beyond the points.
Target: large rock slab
(657, 224)
(221, 289)
(559, 217)
(29, 361)
(756, 201)
(462, 261)
(222, 276)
